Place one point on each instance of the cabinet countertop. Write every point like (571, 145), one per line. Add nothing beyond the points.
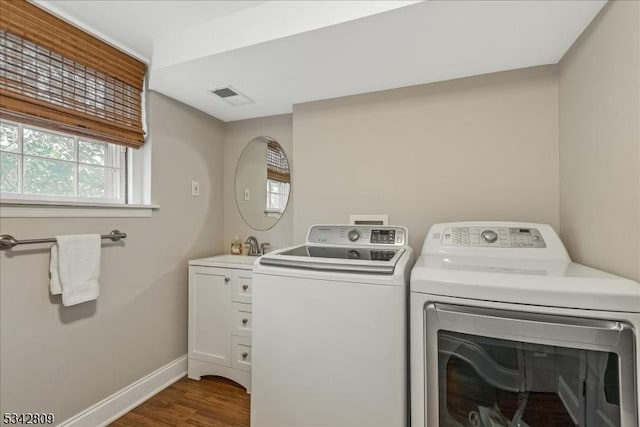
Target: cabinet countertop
(226, 261)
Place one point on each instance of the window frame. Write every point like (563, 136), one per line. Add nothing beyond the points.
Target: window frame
(124, 171)
(281, 195)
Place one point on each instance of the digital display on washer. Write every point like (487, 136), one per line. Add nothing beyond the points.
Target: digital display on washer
(382, 255)
(341, 253)
(383, 236)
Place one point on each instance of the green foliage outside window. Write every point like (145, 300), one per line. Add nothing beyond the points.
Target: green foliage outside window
(46, 163)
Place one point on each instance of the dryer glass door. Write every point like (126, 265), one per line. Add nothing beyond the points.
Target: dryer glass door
(498, 368)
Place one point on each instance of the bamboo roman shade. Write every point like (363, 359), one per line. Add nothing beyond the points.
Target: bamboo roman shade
(56, 76)
(277, 164)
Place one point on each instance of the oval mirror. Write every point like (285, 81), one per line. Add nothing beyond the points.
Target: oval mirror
(262, 183)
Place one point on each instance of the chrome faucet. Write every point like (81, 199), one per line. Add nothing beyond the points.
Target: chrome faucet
(254, 248)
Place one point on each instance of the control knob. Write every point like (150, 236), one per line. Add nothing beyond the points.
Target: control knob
(354, 235)
(489, 236)
(353, 254)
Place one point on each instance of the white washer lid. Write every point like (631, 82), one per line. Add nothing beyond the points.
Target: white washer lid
(352, 259)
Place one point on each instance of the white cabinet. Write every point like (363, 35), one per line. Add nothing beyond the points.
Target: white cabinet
(220, 318)
(209, 314)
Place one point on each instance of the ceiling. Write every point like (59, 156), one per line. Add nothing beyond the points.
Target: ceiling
(281, 53)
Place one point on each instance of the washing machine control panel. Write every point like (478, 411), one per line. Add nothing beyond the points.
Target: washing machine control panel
(496, 237)
(384, 237)
(359, 235)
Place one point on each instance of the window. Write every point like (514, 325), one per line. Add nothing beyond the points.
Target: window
(278, 179)
(277, 196)
(71, 109)
(41, 164)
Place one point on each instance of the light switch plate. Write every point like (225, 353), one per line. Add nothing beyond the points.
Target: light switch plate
(246, 194)
(195, 188)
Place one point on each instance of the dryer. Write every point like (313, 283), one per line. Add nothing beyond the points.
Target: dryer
(329, 337)
(506, 331)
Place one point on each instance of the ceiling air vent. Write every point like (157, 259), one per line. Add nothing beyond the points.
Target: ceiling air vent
(225, 92)
(232, 96)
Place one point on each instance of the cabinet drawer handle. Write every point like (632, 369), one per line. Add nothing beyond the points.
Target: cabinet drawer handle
(244, 355)
(245, 287)
(244, 321)
(227, 279)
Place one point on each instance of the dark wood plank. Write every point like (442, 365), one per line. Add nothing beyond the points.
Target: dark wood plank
(210, 402)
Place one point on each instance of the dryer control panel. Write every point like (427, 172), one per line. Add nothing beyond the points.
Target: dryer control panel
(506, 239)
(495, 237)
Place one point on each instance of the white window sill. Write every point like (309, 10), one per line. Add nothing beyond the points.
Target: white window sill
(44, 209)
(273, 214)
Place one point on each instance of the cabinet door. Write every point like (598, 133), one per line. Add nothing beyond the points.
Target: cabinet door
(209, 315)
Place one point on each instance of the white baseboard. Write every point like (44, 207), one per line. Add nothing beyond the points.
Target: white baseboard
(122, 401)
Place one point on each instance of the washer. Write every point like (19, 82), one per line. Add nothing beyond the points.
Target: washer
(330, 330)
(506, 330)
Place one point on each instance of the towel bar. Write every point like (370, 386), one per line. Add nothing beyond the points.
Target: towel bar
(7, 241)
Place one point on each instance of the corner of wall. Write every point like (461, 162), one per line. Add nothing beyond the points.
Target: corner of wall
(599, 142)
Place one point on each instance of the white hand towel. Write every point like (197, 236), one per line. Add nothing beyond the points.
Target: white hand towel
(54, 281)
(78, 267)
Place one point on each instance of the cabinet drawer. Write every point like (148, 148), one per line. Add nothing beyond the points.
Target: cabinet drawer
(242, 288)
(241, 358)
(241, 322)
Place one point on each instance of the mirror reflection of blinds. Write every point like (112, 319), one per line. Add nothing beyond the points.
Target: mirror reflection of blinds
(277, 164)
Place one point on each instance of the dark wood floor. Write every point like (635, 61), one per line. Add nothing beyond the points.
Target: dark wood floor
(212, 401)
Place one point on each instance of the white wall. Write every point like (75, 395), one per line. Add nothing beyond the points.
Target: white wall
(251, 177)
(477, 148)
(600, 142)
(64, 359)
